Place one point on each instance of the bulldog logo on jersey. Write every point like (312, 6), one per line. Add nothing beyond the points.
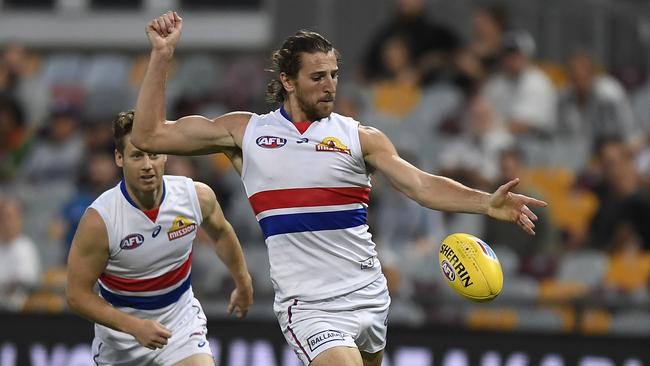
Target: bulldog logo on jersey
(181, 227)
(333, 144)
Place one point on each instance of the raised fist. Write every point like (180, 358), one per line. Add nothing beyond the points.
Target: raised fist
(165, 31)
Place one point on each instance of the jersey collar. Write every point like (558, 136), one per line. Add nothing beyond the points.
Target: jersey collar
(126, 195)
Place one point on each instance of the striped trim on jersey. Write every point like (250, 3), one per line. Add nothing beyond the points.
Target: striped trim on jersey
(284, 211)
(150, 293)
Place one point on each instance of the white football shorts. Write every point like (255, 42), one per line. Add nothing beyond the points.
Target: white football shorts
(358, 319)
(113, 348)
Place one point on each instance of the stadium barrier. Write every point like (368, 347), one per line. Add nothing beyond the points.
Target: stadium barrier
(64, 340)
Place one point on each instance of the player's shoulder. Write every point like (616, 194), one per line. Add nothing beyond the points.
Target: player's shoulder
(178, 185)
(269, 116)
(236, 118)
(175, 179)
(108, 197)
(202, 189)
(206, 197)
(344, 119)
(366, 131)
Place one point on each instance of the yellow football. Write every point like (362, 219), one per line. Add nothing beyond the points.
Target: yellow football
(471, 267)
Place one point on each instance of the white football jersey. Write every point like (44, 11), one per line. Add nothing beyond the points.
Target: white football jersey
(149, 266)
(310, 192)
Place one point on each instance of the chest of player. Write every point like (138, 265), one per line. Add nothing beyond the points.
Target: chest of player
(143, 245)
(282, 154)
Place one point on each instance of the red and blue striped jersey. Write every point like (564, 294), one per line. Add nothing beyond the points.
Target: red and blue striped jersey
(148, 273)
(310, 192)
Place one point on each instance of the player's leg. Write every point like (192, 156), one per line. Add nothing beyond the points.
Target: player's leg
(189, 345)
(343, 356)
(372, 359)
(202, 359)
(372, 338)
(320, 328)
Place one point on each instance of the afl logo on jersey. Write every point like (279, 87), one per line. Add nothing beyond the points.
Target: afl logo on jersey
(132, 241)
(270, 142)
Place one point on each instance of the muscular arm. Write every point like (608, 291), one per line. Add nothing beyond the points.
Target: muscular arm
(227, 247)
(441, 193)
(432, 191)
(191, 135)
(86, 262)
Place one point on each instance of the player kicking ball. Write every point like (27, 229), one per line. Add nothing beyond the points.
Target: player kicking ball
(306, 171)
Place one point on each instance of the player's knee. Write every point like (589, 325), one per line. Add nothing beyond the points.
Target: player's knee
(340, 356)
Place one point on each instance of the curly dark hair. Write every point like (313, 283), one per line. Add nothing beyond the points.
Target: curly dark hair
(287, 60)
(122, 126)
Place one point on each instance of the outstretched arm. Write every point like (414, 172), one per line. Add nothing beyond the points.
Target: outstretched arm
(227, 247)
(441, 193)
(191, 135)
(86, 262)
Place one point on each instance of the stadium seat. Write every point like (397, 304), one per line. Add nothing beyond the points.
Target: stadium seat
(396, 99)
(595, 321)
(45, 302)
(631, 322)
(101, 104)
(508, 258)
(64, 68)
(539, 319)
(629, 272)
(585, 266)
(492, 318)
(552, 291)
(519, 288)
(570, 209)
(196, 76)
(107, 71)
(50, 296)
(55, 279)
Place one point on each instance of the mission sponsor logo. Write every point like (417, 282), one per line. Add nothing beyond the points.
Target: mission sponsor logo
(270, 142)
(324, 337)
(181, 227)
(334, 145)
(132, 241)
(458, 268)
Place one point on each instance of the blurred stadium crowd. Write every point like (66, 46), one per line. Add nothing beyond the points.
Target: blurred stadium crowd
(481, 110)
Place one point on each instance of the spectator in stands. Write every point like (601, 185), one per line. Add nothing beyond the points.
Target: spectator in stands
(396, 91)
(98, 174)
(489, 22)
(621, 198)
(57, 154)
(431, 45)
(7, 79)
(522, 94)
(98, 137)
(14, 137)
(29, 90)
(476, 150)
(641, 108)
(534, 252)
(592, 106)
(629, 264)
(19, 259)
